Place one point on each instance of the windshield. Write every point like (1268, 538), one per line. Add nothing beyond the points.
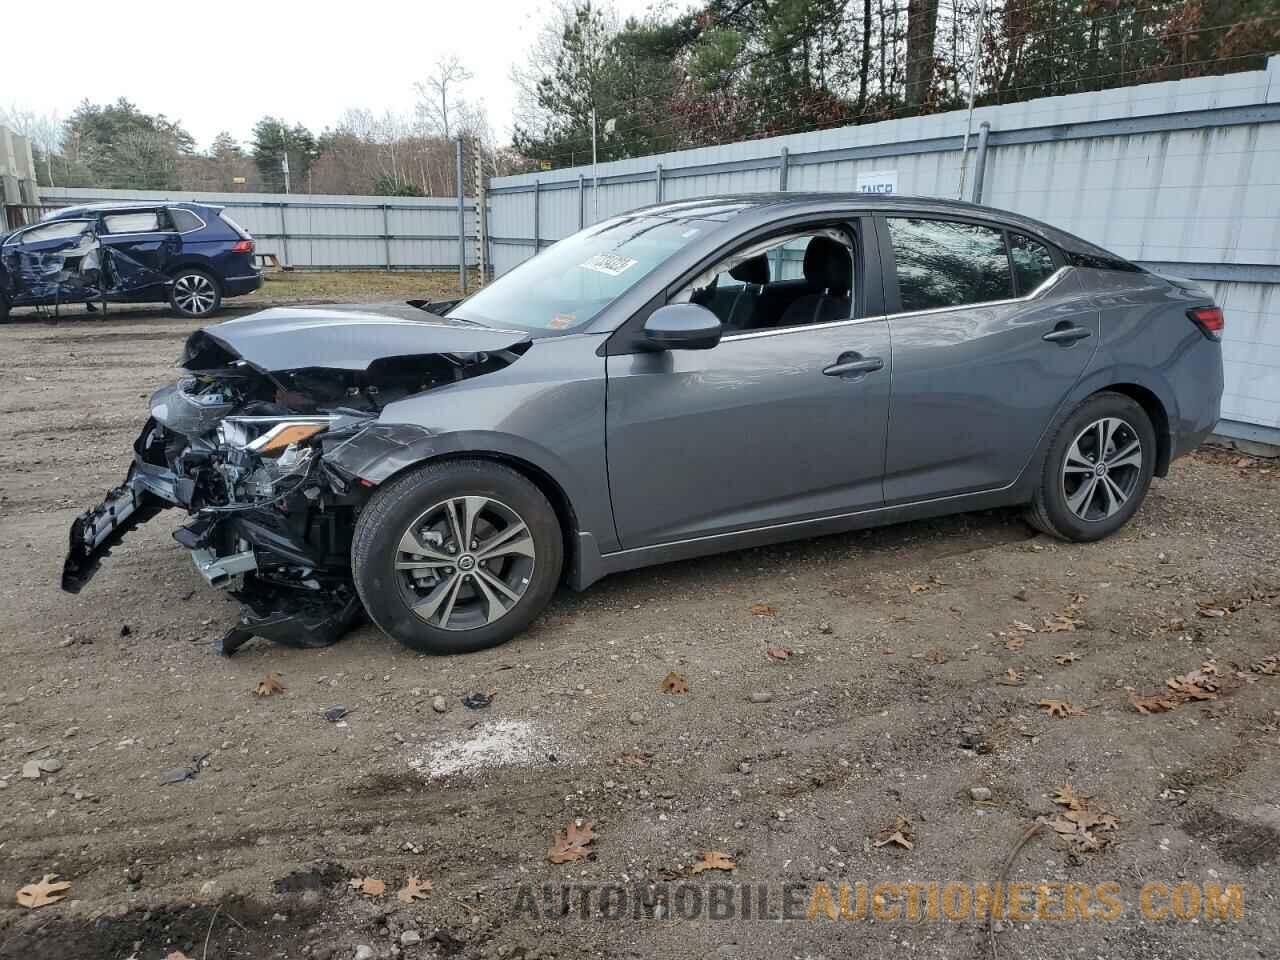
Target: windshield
(570, 283)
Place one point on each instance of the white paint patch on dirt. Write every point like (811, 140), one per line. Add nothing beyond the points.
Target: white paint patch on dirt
(495, 743)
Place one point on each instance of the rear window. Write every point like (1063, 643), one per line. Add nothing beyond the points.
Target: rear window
(184, 220)
(226, 218)
(146, 221)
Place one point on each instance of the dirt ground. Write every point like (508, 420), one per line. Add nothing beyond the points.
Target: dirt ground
(890, 704)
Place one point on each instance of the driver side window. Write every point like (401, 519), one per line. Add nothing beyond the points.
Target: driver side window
(790, 281)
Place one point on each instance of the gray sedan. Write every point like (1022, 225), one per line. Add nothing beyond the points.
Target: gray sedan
(681, 380)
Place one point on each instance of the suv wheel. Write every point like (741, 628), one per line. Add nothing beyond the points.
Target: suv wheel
(456, 556)
(1097, 470)
(194, 293)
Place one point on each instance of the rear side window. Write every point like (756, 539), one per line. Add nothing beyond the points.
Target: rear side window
(184, 220)
(1032, 262)
(147, 221)
(942, 263)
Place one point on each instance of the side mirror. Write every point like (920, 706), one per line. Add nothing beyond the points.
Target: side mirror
(682, 326)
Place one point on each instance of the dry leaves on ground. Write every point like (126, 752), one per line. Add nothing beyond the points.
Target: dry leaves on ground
(675, 683)
(43, 892)
(763, 610)
(1015, 642)
(572, 844)
(777, 653)
(1156, 703)
(269, 685)
(936, 656)
(713, 860)
(414, 889)
(369, 886)
(1061, 623)
(1065, 659)
(636, 758)
(1011, 678)
(1205, 683)
(1077, 823)
(918, 587)
(899, 834)
(1061, 708)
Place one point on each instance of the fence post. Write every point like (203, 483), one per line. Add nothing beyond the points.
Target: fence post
(782, 169)
(537, 213)
(284, 236)
(581, 187)
(462, 226)
(980, 161)
(657, 183)
(386, 234)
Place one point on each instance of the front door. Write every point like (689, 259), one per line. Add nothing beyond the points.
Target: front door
(52, 263)
(783, 420)
(991, 331)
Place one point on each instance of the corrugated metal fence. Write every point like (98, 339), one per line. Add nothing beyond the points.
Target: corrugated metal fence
(327, 232)
(1183, 177)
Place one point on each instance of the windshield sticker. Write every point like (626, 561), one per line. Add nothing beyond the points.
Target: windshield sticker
(610, 264)
(561, 320)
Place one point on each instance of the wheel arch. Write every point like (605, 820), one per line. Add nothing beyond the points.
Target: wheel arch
(1155, 410)
(171, 270)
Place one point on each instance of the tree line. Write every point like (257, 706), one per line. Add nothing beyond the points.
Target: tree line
(722, 71)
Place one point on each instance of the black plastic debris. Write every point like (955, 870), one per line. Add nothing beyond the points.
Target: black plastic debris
(179, 774)
(335, 713)
(125, 631)
(477, 701)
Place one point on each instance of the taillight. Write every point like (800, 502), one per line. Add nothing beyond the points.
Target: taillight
(243, 246)
(1210, 321)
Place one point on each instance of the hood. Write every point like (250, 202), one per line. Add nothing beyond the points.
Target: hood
(338, 338)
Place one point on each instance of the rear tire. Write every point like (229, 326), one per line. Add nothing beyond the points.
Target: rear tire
(194, 293)
(456, 556)
(1097, 470)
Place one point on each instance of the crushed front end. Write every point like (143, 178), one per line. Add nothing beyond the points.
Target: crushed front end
(255, 456)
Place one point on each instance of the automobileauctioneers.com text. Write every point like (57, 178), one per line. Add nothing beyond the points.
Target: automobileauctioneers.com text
(886, 901)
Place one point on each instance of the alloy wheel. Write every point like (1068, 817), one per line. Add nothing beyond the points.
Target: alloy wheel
(465, 562)
(1102, 469)
(194, 293)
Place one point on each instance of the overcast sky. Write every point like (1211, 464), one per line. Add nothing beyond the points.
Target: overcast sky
(222, 67)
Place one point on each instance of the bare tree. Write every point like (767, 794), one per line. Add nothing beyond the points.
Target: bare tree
(440, 104)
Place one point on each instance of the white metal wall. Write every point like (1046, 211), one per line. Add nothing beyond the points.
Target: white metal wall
(320, 231)
(1183, 176)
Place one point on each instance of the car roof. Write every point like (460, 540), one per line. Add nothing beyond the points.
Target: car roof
(66, 213)
(772, 205)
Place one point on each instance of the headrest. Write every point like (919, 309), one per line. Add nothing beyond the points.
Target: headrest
(755, 270)
(827, 265)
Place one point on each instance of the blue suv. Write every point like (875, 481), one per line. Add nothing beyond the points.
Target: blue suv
(188, 254)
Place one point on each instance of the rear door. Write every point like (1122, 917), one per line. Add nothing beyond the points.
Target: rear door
(990, 331)
(139, 245)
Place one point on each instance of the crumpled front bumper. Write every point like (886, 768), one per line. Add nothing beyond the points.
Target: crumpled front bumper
(96, 531)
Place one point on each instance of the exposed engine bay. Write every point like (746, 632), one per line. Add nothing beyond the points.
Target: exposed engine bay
(267, 460)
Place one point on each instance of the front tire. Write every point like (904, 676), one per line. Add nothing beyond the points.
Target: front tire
(456, 556)
(194, 293)
(1097, 470)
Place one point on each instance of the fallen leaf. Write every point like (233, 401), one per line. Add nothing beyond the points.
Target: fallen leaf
(572, 844)
(43, 892)
(899, 833)
(713, 860)
(1157, 703)
(674, 683)
(1213, 613)
(1064, 659)
(1011, 678)
(414, 889)
(918, 587)
(1269, 667)
(369, 886)
(1066, 796)
(763, 610)
(1024, 627)
(1015, 642)
(269, 685)
(1061, 708)
(936, 656)
(777, 653)
(636, 758)
(1062, 623)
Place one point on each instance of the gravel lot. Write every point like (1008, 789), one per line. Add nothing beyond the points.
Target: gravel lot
(890, 704)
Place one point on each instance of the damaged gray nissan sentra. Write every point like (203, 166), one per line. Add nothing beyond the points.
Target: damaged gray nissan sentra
(682, 380)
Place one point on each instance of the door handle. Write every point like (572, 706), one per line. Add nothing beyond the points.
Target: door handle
(853, 363)
(1067, 334)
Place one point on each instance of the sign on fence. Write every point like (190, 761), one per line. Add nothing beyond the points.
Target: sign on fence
(878, 181)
